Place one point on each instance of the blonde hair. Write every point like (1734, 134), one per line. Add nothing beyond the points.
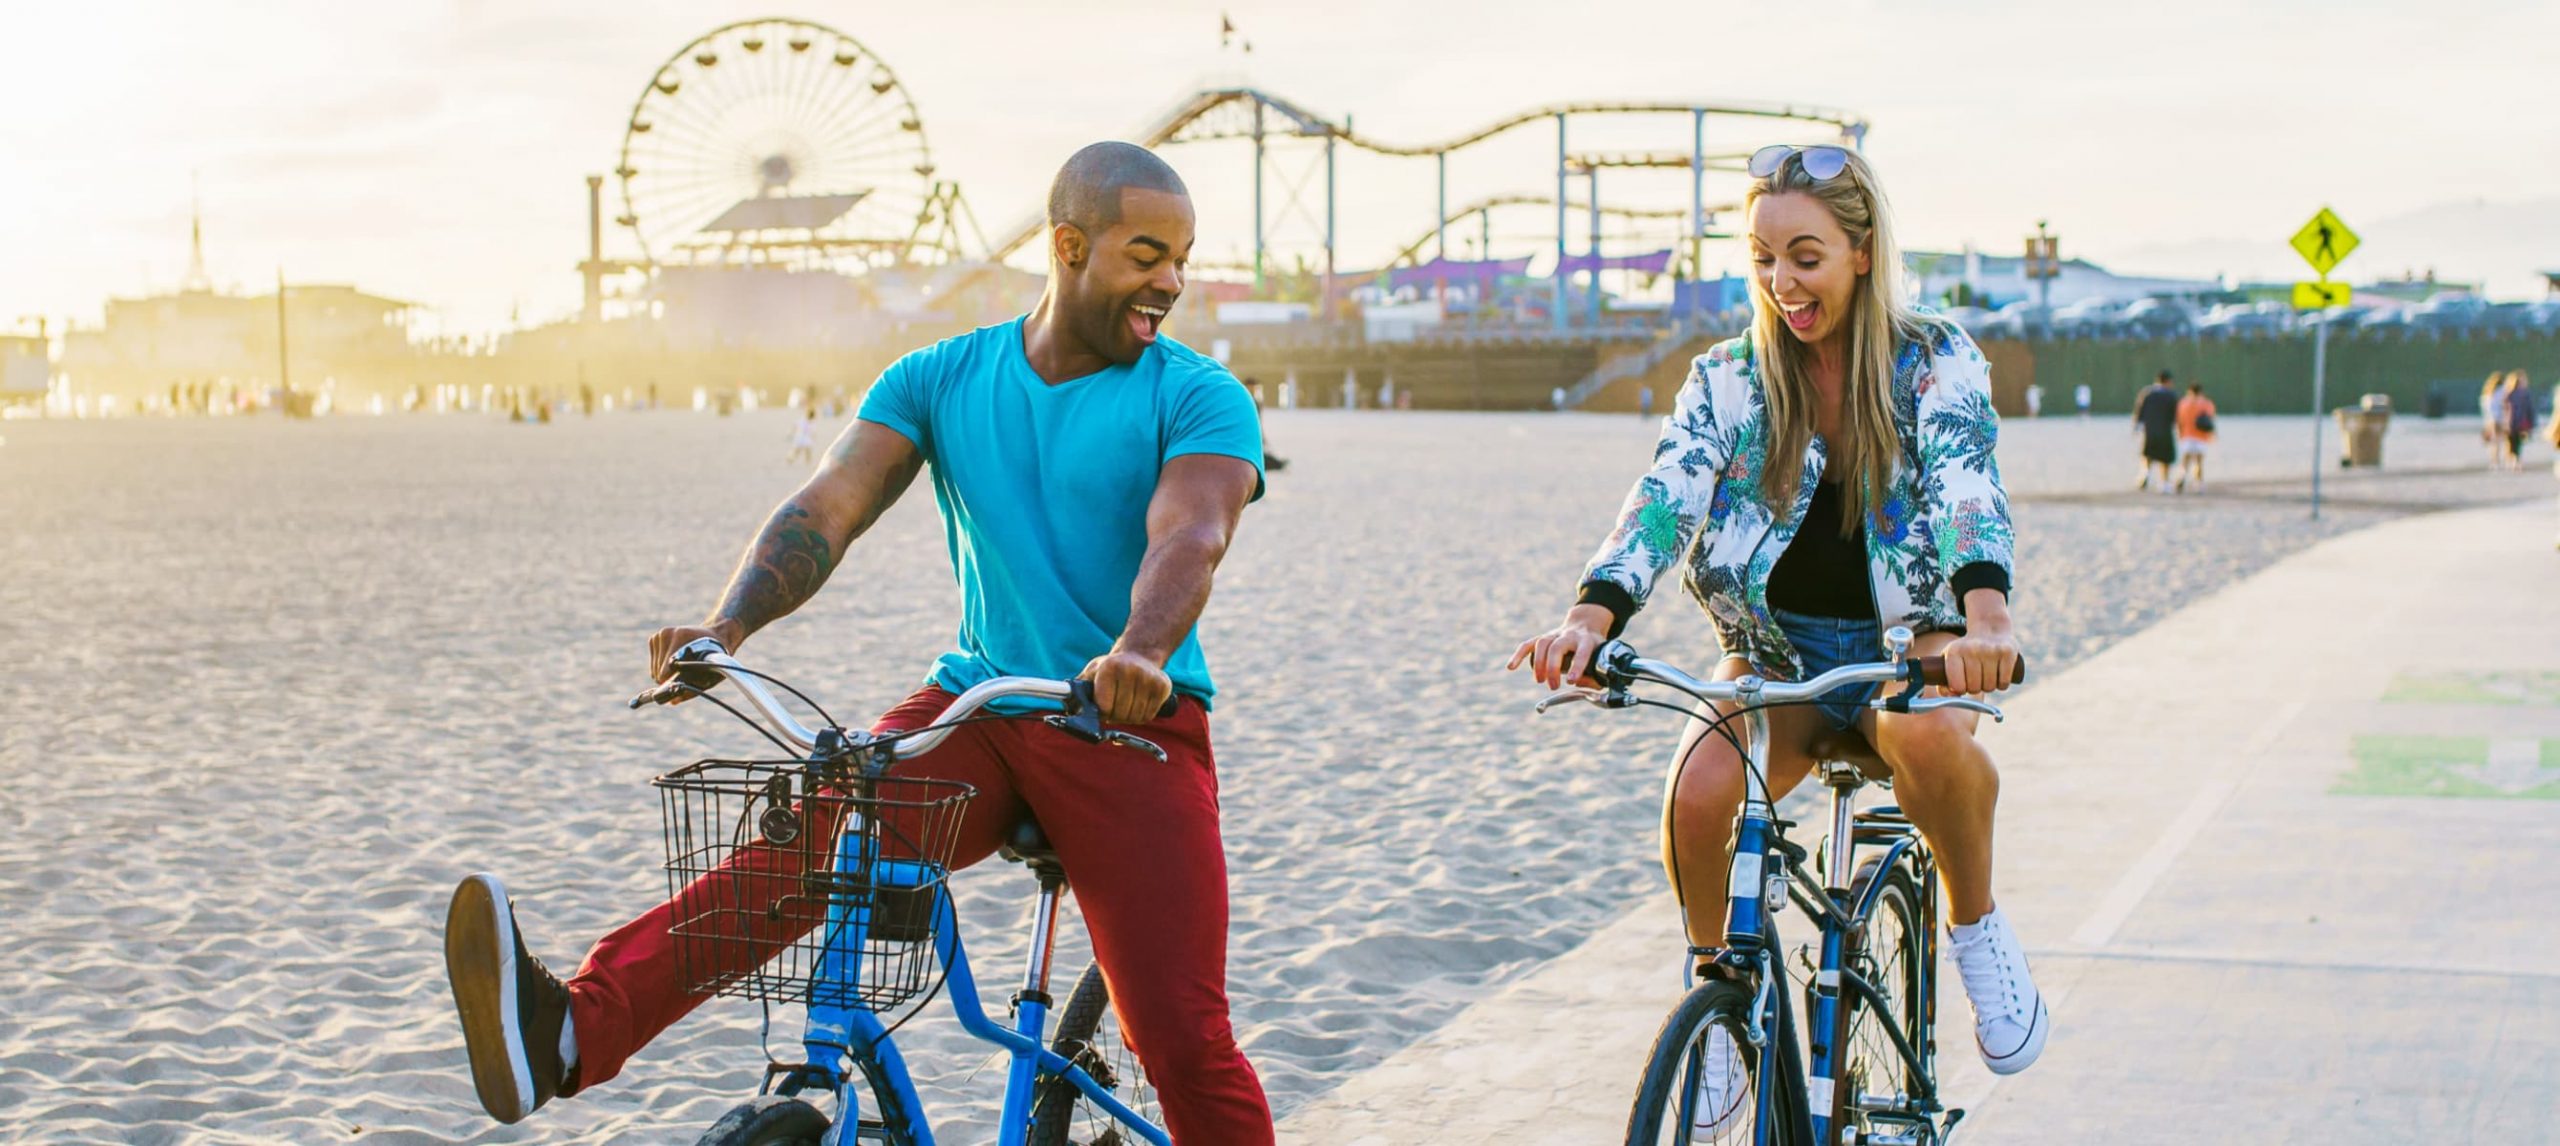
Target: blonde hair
(1879, 318)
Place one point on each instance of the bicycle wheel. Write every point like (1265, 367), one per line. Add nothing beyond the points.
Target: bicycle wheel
(1089, 1036)
(768, 1120)
(1876, 1082)
(1666, 1112)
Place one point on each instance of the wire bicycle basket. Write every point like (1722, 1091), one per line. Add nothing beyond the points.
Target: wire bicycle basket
(792, 884)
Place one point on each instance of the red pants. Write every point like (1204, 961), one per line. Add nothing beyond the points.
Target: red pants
(1139, 840)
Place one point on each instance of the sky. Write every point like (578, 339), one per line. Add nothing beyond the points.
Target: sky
(434, 152)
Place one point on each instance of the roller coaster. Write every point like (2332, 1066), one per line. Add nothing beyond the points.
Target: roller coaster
(780, 145)
(1260, 117)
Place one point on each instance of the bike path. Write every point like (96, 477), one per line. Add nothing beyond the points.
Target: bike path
(2285, 863)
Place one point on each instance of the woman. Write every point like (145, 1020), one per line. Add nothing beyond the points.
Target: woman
(2517, 416)
(2492, 434)
(1825, 475)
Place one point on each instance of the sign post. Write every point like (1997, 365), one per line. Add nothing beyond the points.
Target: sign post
(2324, 242)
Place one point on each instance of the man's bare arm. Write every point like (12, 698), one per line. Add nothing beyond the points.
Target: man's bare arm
(865, 471)
(1190, 522)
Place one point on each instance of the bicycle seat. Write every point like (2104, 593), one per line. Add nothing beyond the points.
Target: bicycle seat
(1847, 746)
(1027, 844)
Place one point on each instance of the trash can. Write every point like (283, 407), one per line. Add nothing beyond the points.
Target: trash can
(2360, 430)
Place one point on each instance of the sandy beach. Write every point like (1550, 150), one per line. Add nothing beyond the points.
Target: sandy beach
(280, 684)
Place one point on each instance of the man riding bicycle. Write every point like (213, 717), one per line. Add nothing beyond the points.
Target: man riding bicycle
(1090, 476)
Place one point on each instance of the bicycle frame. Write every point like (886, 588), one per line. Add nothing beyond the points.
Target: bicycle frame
(1765, 869)
(838, 1033)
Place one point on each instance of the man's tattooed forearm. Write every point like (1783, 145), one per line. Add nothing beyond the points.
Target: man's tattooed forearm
(783, 569)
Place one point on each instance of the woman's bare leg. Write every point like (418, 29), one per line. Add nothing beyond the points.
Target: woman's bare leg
(1704, 793)
(1944, 780)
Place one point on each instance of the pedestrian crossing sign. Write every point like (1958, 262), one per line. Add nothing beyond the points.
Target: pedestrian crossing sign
(2324, 242)
(2320, 295)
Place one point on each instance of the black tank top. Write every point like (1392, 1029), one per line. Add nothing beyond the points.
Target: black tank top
(1823, 574)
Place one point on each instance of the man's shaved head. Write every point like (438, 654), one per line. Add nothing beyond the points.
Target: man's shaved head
(1087, 191)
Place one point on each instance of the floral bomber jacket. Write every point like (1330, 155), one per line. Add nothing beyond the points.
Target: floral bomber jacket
(1944, 529)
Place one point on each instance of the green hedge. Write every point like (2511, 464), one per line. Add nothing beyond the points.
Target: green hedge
(2273, 375)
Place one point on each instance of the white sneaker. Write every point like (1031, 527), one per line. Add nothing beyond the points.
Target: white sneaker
(2009, 1019)
(1722, 1086)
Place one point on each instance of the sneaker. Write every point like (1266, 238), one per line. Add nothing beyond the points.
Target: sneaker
(2009, 1019)
(1722, 1087)
(513, 1009)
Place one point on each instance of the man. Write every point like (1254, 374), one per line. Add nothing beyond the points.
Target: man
(2155, 417)
(1090, 475)
(2195, 432)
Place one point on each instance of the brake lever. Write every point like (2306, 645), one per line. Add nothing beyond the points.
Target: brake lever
(1932, 703)
(1595, 697)
(1142, 744)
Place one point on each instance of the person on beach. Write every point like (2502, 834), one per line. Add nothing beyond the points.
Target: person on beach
(2195, 433)
(2492, 411)
(804, 438)
(1824, 475)
(2155, 419)
(1090, 476)
(2552, 435)
(2516, 417)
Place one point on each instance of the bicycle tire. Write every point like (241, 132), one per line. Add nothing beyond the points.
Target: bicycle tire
(1089, 1036)
(1659, 1101)
(1904, 983)
(768, 1120)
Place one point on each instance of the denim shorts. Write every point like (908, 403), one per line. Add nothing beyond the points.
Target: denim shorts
(1826, 643)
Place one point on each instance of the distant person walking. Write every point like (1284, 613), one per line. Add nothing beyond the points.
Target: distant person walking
(2491, 435)
(2035, 401)
(2516, 417)
(2155, 418)
(1644, 401)
(2080, 398)
(2553, 434)
(804, 438)
(2195, 432)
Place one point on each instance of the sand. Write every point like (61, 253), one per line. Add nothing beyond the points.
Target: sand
(280, 684)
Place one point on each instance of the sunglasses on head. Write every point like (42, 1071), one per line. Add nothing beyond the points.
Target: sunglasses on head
(1820, 161)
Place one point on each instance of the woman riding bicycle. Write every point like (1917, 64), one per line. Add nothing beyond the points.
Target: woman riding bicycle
(1827, 474)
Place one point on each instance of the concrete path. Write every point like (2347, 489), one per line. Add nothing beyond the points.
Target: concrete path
(2287, 863)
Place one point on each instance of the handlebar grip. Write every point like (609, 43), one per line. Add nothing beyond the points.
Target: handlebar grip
(1933, 670)
(1081, 698)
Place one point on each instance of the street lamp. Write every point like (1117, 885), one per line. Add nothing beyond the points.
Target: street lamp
(2043, 264)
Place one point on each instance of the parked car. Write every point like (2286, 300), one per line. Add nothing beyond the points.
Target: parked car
(1975, 320)
(2017, 320)
(2449, 312)
(2087, 316)
(2157, 318)
(2247, 318)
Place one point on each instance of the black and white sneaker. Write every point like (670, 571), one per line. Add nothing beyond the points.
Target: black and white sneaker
(512, 1006)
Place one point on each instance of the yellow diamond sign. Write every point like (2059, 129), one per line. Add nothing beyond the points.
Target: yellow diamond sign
(2325, 241)
(2320, 295)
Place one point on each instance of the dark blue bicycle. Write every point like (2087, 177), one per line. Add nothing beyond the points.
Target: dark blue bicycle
(1861, 1068)
(821, 881)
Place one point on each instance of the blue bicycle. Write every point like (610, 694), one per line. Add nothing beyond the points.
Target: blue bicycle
(821, 881)
(1861, 1071)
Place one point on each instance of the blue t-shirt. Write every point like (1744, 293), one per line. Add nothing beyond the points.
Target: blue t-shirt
(1044, 490)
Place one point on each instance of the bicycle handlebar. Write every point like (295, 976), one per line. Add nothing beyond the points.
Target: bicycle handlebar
(705, 657)
(1617, 663)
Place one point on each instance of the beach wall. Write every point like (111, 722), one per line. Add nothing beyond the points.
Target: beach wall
(2269, 375)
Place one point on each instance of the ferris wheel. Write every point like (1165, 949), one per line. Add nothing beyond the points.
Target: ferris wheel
(775, 141)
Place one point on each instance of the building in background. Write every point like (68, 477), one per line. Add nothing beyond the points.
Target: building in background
(26, 370)
(1972, 278)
